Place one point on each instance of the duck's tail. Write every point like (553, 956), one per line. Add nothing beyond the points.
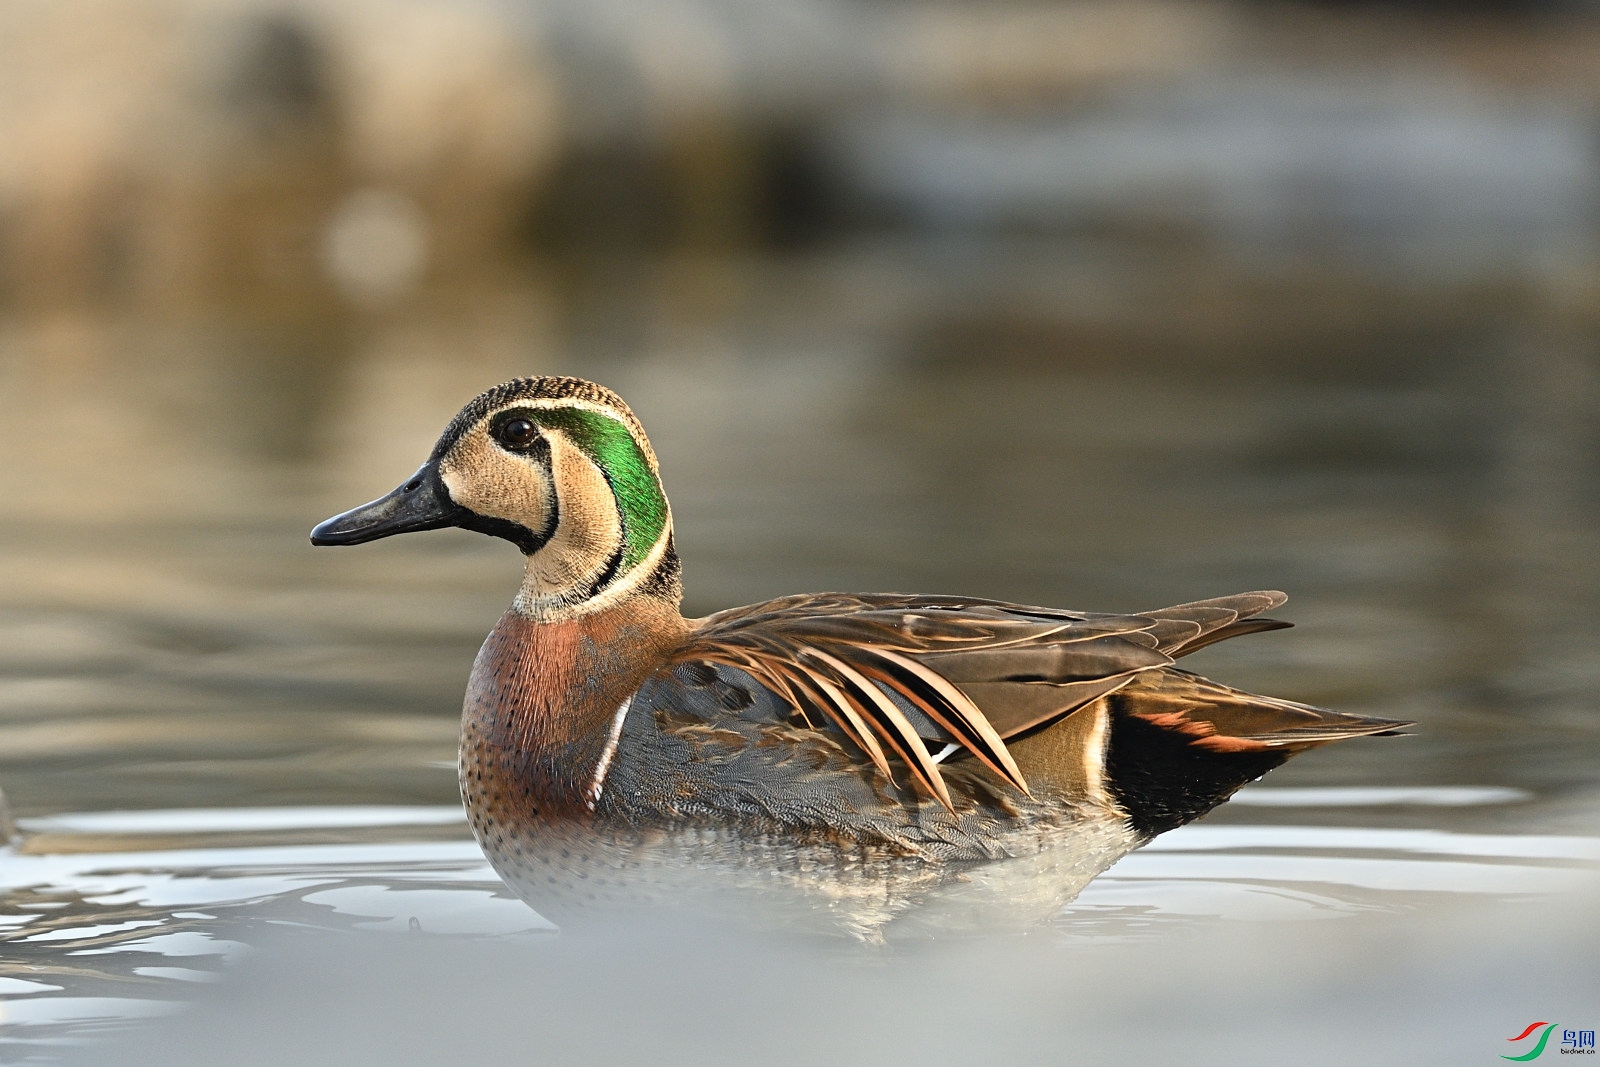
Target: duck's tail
(1180, 744)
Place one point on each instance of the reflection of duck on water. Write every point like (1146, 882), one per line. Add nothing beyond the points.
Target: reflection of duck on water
(875, 751)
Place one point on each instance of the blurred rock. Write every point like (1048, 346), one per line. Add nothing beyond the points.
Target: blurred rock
(207, 148)
(1032, 52)
(199, 148)
(375, 245)
(453, 107)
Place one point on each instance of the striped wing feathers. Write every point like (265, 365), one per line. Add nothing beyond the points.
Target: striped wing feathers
(1187, 628)
(897, 674)
(1223, 719)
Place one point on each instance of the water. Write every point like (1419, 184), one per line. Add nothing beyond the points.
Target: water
(231, 756)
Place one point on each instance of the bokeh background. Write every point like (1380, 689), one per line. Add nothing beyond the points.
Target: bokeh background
(1106, 304)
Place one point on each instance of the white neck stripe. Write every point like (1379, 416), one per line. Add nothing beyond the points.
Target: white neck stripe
(610, 751)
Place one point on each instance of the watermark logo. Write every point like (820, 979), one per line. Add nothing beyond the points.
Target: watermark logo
(1573, 1042)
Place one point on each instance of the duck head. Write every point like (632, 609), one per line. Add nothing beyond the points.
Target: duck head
(561, 468)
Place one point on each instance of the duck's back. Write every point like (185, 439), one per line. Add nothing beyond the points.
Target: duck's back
(951, 727)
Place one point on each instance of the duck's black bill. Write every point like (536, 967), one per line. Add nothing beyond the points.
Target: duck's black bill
(422, 503)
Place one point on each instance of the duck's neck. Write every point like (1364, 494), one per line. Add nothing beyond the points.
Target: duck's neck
(545, 702)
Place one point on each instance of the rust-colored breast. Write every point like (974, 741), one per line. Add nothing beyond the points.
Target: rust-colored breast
(540, 706)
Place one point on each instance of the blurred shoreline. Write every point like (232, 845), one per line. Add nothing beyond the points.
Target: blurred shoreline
(166, 153)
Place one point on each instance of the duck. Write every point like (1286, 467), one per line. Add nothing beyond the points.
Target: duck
(866, 753)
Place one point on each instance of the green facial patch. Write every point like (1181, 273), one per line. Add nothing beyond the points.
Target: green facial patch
(608, 443)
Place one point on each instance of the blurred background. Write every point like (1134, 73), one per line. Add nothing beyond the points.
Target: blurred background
(1106, 304)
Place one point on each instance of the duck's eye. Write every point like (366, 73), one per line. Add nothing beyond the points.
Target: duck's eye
(516, 433)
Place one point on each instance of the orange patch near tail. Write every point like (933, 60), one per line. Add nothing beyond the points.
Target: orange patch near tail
(1203, 734)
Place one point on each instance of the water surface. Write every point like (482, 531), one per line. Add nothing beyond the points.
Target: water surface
(214, 738)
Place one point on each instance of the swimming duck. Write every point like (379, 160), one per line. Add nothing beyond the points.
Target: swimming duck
(872, 748)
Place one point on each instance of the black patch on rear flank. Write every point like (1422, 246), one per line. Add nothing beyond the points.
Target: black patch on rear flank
(1163, 781)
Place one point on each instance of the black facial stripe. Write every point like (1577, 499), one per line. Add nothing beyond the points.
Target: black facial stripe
(537, 450)
(529, 541)
(606, 576)
(518, 534)
(663, 581)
